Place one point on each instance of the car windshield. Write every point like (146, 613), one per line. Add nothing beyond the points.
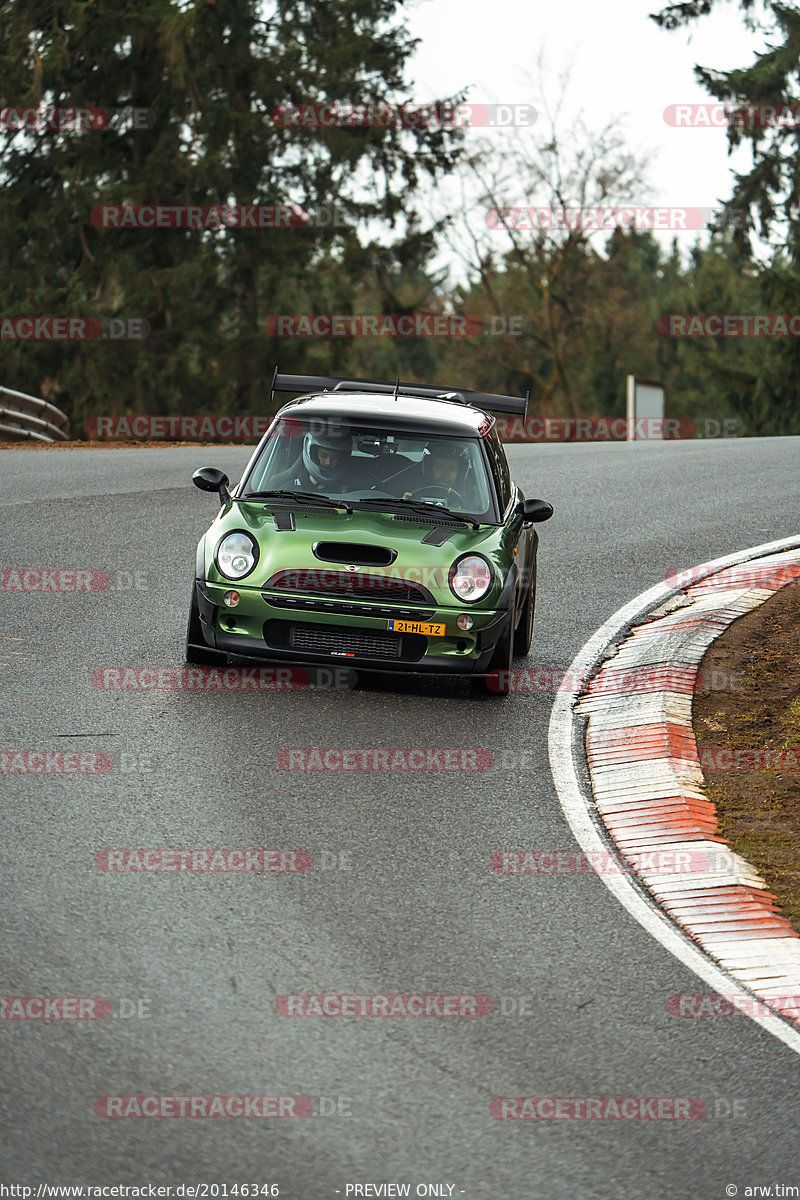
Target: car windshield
(327, 457)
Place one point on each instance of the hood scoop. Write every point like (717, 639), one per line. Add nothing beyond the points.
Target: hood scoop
(354, 554)
(283, 520)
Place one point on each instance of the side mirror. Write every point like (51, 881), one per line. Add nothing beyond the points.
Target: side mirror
(529, 511)
(210, 479)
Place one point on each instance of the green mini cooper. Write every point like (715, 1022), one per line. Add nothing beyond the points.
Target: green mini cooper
(376, 526)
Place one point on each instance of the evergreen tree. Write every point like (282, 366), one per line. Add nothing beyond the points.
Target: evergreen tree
(764, 100)
(213, 78)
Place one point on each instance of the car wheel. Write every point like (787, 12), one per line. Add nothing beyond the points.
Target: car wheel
(498, 681)
(524, 632)
(197, 653)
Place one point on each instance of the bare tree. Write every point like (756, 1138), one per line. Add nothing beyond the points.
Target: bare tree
(523, 241)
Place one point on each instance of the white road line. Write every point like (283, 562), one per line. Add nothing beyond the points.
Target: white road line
(566, 752)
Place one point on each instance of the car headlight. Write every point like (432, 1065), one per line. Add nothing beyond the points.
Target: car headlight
(237, 555)
(470, 577)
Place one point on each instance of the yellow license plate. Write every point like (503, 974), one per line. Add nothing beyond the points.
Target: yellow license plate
(415, 627)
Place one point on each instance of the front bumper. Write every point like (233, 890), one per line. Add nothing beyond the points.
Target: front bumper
(350, 635)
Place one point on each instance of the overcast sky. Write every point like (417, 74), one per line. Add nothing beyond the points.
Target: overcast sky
(621, 64)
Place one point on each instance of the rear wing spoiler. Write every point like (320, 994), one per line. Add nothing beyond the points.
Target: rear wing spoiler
(330, 383)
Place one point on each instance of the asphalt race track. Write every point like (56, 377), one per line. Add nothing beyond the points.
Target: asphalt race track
(411, 905)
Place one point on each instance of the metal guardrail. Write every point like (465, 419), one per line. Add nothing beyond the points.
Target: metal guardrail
(24, 418)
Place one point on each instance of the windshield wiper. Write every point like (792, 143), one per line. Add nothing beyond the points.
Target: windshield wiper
(420, 506)
(301, 497)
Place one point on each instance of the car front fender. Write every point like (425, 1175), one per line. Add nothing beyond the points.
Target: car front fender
(200, 559)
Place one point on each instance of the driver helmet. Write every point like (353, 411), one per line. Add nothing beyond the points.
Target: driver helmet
(449, 452)
(334, 442)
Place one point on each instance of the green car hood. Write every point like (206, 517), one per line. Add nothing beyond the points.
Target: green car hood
(426, 564)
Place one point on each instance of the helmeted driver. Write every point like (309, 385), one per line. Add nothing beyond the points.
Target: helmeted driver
(326, 458)
(443, 468)
(444, 465)
(323, 465)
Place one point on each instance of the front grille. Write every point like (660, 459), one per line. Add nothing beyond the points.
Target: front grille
(350, 585)
(321, 604)
(344, 640)
(341, 641)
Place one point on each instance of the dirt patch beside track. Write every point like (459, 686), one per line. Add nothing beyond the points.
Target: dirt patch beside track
(748, 702)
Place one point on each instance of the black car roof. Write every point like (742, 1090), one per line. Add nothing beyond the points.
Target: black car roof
(406, 412)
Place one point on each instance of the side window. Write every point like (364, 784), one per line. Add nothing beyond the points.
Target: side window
(279, 454)
(500, 471)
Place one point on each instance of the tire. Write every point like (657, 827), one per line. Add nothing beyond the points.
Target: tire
(523, 635)
(498, 681)
(197, 653)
